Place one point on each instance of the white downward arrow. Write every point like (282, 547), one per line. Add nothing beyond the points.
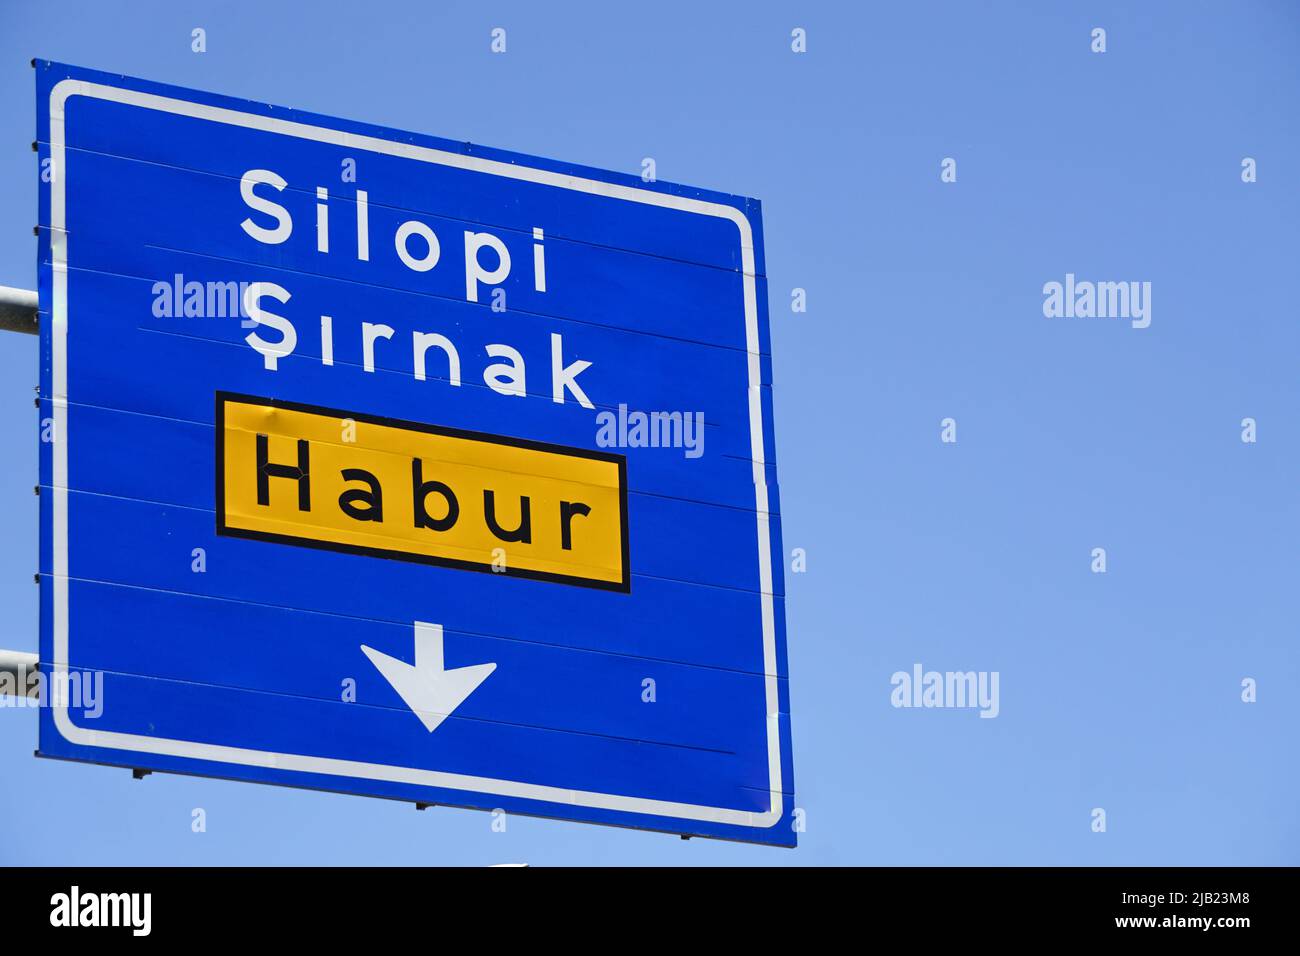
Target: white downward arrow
(428, 688)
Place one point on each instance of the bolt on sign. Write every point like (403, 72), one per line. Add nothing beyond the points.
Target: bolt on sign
(402, 467)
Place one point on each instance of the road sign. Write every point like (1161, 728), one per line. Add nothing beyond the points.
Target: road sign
(382, 464)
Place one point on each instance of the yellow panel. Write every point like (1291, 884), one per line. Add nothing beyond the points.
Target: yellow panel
(360, 492)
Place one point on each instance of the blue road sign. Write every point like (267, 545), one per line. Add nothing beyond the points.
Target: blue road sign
(388, 465)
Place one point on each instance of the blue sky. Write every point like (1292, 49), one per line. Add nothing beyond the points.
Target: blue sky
(1119, 690)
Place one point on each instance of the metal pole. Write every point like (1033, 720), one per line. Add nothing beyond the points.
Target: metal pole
(20, 665)
(18, 310)
(18, 314)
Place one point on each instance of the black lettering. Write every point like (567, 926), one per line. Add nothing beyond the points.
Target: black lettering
(420, 490)
(352, 499)
(567, 510)
(266, 471)
(523, 533)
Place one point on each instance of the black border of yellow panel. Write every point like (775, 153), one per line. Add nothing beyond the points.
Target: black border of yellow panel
(222, 397)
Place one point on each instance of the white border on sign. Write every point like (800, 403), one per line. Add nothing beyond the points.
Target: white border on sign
(65, 90)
